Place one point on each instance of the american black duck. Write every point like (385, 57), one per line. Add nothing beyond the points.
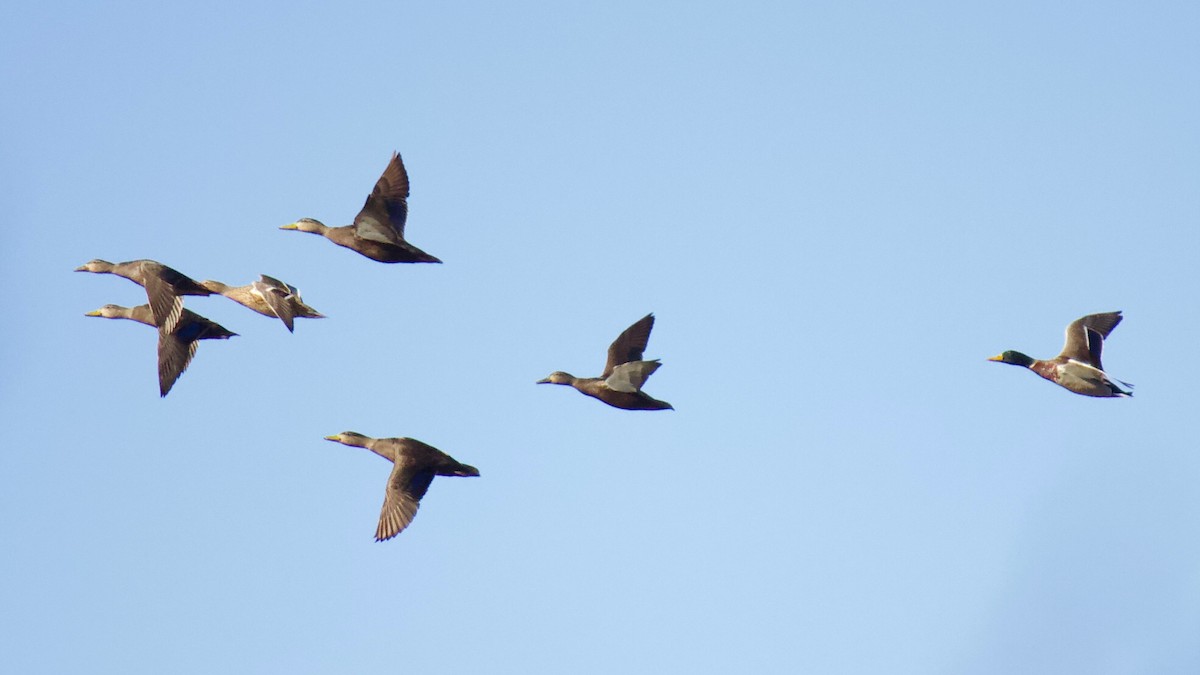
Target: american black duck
(163, 285)
(414, 464)
(620, 385)
(378, 229)
(175, 349)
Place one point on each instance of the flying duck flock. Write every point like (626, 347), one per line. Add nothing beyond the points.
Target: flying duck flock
(378, 233)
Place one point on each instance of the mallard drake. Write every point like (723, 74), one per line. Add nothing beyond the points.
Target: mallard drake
(378, 229)
(620, 385)
(163, 285)
(1078, 366)
(414, 466)
(175, 349)
(267, 296)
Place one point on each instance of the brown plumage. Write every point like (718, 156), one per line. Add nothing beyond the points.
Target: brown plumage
(176, 348)
(164, 286)
(267, 296)
(414, 465)
(620, 385)
(378, 229)
(1077, 367)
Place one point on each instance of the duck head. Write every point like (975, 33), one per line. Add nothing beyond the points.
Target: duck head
(110, 311)
(349, 438)
(96, 265)
(557, 377)
(1014, 358)
(306, 225)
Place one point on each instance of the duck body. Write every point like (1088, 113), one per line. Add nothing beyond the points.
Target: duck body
(597, 388)
(378, 229)
(267, 296)
(414, 466)
(620, 385)
(347, 236)
(175, 349)
(164, 286)
(1080, 378)
(1078, 367)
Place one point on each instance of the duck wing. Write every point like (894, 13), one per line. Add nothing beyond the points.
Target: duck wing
(629, 377)
(382, 218)
(278, 297)
(629, 345)
(275, 283)
(1085, 337)
(174, 355)
(165, 304)
(176, 349)
(406, 485)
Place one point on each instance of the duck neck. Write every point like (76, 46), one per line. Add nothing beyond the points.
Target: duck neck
(1047, 369)
(314, 227)
(592, 386)
(141, 314)
(376, 446)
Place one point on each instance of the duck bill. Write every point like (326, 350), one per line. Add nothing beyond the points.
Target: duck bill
(998, 357)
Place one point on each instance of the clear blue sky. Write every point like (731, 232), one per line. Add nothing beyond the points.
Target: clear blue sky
(836, 211)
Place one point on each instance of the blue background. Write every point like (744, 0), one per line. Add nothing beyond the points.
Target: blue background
(837, 211)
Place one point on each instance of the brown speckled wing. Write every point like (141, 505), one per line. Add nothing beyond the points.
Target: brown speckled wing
(383, 216)
(629, 345)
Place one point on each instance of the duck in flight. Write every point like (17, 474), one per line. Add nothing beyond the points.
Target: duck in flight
(414, 465)
(378, 229)
(164, 286)
(267, 296)
(175, 349)
(620, 385)
(1078, 366)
